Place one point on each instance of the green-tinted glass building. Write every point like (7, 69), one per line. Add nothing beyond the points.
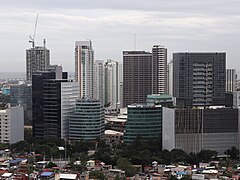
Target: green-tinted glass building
(144, 121)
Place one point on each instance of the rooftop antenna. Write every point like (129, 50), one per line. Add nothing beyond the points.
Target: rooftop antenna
(32, 38)
(134, 41)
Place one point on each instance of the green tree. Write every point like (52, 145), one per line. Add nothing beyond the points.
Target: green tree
(233, 152)
(50, 165)
(125, 165)
(178, 155)
(96, 175)
(206, 155)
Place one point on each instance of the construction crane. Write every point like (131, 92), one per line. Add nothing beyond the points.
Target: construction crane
(32, 38)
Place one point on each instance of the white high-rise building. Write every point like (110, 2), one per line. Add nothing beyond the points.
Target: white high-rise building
(112, 84)
(69, 95)
(12, 125)
(231, 80)
(99, 81)
(159, 69)
(84, 59)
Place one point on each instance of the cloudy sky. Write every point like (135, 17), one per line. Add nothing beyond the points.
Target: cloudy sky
(179, 25)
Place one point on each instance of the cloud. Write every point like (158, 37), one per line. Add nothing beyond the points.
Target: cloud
(180, 26)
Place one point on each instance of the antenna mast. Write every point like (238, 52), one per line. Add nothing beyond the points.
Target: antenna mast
(134, 41)
(32, 38)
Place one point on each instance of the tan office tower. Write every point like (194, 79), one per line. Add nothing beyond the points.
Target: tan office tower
(84, 59)
(159, 55)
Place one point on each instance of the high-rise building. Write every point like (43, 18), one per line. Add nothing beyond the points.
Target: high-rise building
(87, 122)
(11, 125)
(112, 84)
(159, 68)
(99, 81)
(231, 80)
(84, 59)
(170, 78)
(137, 76)
(150, 122)
(53, 101)
(199, 78)
(22, 95)
(37, 59)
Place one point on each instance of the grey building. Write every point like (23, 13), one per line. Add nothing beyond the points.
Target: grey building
(22, 95)
(215, 128)
(87, 122)
(199, 78)
(37, 59)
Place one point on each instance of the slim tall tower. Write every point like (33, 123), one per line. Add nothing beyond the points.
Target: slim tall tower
(112, 83)
(231, 80)
(99, 81)
(84, 59)
(159, 55)
(37, 59)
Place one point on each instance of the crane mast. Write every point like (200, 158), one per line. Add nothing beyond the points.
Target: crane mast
(32, 38)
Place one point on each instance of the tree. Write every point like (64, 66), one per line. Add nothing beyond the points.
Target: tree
(96, 175)
(125, 165)
(178, 155)
(206, 155)
(233, 152)
(50, 165)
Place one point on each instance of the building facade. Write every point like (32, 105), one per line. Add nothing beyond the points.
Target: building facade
(84, 59)
(37, 59)
(215, 128)
(53, 101)
(22, 95)
(199, 78)
(12, 125)
(99, 81)
(137, 76)
(87, 122)
(231, 80)
(150, 122)
(159, 68)
(112, 85)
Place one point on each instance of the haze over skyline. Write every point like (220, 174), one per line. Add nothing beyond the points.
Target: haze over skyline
(185, 25)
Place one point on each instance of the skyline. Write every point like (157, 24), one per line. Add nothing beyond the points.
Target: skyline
(187, 26)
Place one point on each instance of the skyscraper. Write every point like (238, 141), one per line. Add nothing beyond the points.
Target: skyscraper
(137, 76)
(112, 84)
(159, 68)
(37, 59)
(84, 59)
(53, 101)
(99, 81)
(199, 78)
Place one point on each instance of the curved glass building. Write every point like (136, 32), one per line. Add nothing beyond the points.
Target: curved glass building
(87, 123)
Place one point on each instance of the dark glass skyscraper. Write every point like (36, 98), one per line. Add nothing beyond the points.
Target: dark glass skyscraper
(199, 78)
(46, 101)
